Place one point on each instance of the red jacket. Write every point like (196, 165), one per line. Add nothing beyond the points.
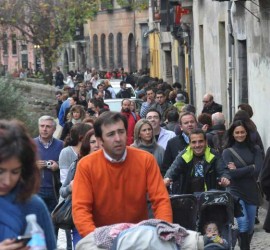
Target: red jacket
(132, 118)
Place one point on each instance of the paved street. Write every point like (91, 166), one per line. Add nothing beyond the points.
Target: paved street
(61, 242)
(260, 240)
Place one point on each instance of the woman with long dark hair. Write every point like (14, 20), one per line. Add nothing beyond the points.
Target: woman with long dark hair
(19, 182)
(244, 161)
(255, 137)
(89, 144)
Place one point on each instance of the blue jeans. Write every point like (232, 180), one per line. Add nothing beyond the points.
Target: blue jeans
(48, 196)
(246, 222)
(75, 237)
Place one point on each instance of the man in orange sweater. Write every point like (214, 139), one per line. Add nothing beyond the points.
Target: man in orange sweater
(111, 185)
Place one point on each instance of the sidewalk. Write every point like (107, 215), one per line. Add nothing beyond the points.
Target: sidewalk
(261, 239)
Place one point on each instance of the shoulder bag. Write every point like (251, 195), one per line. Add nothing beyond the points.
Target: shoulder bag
(62, 213)
(258, 184)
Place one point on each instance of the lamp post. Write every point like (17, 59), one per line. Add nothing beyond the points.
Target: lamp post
(37, 57)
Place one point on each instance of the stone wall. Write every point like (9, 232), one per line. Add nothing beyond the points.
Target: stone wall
(40, 97)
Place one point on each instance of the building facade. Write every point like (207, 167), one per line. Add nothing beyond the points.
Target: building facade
(16, 54)
(232, 56)
(113, 39)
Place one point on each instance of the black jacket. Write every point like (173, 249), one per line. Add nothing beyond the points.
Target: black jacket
(59, 79)
(183, 166)
(174, 147)
(215, 107)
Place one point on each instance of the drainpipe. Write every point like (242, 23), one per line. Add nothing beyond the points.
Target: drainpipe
(135, 40)
(150, 14)
(231, 83)
(191, 73)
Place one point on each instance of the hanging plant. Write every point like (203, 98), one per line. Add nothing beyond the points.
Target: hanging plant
(134, 4)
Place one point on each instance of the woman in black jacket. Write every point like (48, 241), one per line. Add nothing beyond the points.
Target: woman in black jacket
(244, 161)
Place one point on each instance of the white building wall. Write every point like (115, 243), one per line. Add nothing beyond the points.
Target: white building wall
(209, 74)
(258, 46)
(209, 62)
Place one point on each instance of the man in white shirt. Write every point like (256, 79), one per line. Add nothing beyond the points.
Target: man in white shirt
(162, 135)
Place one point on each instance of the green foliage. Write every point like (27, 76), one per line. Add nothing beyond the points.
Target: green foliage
(47, 23)
(13, 105)
(134, 4)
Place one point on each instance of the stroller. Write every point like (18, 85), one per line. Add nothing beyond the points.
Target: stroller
(185, 209)
(194, 211)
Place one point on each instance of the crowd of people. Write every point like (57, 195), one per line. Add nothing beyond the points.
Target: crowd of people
(120, 167)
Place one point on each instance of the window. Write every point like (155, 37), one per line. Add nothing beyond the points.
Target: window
(103, 51)
(23, 45)
(72, 56)
(5, 44)
(131, 53)
(243, 71)
(111, 51)
(95, 51)
(14, 44)
(119, 50)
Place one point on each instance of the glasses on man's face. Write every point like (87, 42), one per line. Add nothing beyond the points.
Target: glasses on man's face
(206, 101)
(155, 117)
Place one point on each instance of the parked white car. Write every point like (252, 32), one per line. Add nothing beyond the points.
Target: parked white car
(115, 104)
(116, 86)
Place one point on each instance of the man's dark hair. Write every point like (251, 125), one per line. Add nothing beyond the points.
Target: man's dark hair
(75, 98)
(58, 92)
(101, 84)
(122, 83)
(205, 119)
(177, 85)
(246, 107)
(160, 80)
(71, 92)
(153, 110)
(97, 103)
(189, 108)
(197, 131)
(149, 89)
(160, 92)
(107, 118)
(172, 115)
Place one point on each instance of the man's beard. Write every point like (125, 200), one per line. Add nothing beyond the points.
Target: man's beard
(126, 110)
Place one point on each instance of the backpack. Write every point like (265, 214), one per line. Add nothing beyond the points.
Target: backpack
(217, 140)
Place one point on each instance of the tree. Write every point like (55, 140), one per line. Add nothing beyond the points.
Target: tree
(13, 105)
(47, 23)
(51, 23)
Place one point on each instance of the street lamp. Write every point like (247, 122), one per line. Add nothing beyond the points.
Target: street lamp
(37, 57)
